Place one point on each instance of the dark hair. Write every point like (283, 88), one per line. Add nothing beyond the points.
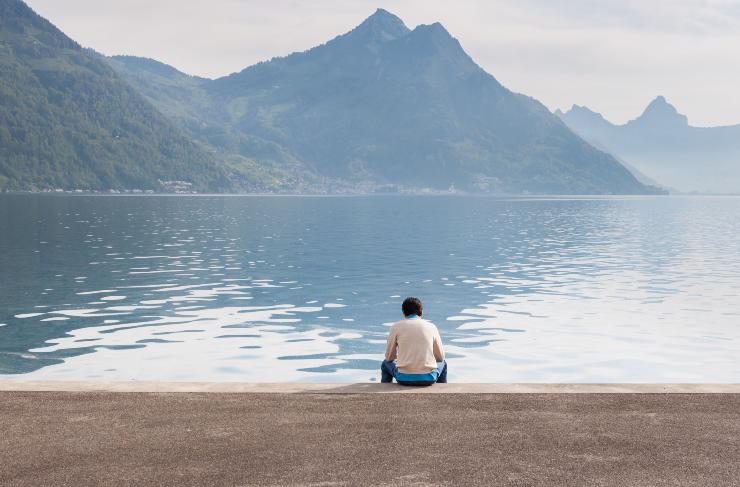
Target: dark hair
(412, 306)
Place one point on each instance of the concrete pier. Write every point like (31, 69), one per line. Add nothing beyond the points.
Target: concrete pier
(184, 434)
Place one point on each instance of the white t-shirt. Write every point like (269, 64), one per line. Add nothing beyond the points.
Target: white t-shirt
(416, 346)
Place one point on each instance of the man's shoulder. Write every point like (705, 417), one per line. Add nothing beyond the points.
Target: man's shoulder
(397, 324)
(429, 324)
(414, 321)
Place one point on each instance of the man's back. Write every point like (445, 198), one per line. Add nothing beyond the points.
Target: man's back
(416, 346)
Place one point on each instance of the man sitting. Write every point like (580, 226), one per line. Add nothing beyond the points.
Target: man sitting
(414, 354)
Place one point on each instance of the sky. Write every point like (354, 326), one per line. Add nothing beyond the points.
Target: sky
(613, 56)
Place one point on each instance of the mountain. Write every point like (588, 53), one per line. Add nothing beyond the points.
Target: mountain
(69, 121)
(384, 106)
(661, 144)
(185, 101)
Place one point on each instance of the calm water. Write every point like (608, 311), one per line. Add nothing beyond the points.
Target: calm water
(303, 289)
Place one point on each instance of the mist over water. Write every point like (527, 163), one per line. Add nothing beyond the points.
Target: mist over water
(226, 288)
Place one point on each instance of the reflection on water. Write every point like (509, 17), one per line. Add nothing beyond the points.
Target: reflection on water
(303, 289)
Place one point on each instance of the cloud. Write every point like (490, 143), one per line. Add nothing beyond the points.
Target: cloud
(612, 55)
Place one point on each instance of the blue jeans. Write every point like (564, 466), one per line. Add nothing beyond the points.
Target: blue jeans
(389, 371)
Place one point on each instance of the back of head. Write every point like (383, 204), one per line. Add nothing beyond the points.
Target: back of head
(412, 306)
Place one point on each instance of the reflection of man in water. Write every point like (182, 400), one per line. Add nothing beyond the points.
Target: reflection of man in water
(414, 354)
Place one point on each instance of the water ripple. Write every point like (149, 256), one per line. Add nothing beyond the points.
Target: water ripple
(209, 288)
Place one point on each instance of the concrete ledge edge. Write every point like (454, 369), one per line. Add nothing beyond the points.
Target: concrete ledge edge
(360, 388)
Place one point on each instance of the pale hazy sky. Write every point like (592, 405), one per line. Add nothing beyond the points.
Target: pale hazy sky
(611, 55)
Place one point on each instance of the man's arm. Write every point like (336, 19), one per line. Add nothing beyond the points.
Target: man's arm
(391, 347)
(439, 353)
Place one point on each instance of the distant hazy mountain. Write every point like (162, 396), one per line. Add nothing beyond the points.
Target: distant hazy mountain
(384, 106)
(662, 145)
(67, 120)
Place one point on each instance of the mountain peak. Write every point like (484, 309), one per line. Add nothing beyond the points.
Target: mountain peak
(660, 113)
(383, 15)
(435, 37)
(660, 104)
(436, 30)
(382, 25)
(582, 115)
(583, 110)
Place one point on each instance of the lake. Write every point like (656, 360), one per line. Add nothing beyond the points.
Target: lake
(279, 288)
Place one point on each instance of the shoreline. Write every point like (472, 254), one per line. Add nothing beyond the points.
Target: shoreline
(358, 193)
(544, 196)
(362, 388)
